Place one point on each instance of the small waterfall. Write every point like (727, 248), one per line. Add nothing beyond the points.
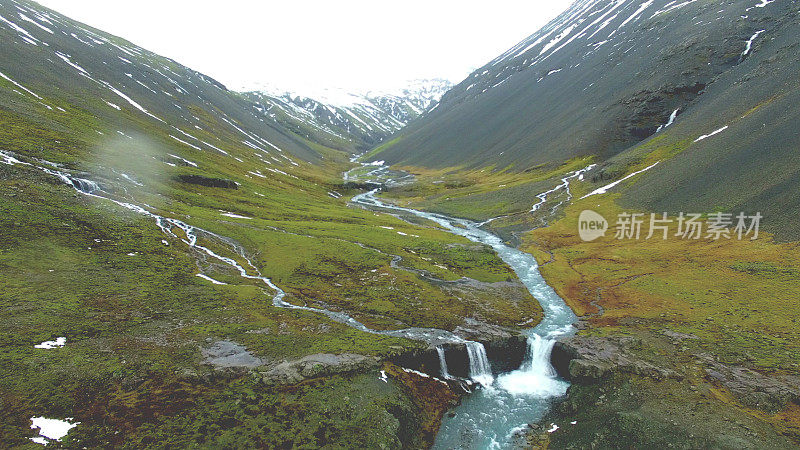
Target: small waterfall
(536, 377)
(85, 186)
(442, 362)
(669, 122)
(538, 356)
(80, 184)
(479, 368)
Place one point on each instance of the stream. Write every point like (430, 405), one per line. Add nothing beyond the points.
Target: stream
(503, 404)
(506, 402)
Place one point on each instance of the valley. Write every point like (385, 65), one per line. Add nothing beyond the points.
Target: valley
(187, 266)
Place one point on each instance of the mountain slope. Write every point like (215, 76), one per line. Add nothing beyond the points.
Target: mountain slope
(136, 89)
(643, 109)
(167, 250)
(606, 76)
(346, 120)
(603, 75)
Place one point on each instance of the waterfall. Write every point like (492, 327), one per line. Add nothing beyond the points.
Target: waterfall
(442, 362)
(479, 368)
(80, 184)
(536, 377)
(85, 186)
(537, 358)
(669, 122)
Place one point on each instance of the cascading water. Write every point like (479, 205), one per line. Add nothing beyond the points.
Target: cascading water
(479, 368)
(489, 417)
(442, 362)
(536, 376)
(538, 356)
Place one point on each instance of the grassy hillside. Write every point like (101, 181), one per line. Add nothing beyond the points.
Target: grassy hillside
(139, 322)
(689, 308)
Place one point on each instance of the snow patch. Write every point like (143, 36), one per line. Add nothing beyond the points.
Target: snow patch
(207, 278)
(711, 134)
(605, 188)
(51, 429)
(57, 343)
(235, 216)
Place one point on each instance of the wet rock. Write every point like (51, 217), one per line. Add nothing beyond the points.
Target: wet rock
(504, 350)
(317, 365)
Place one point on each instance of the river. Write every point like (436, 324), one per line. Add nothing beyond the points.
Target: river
(504, 403)
(507, 402)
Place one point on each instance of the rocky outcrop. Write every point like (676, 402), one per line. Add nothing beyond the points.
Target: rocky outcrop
(228, 355)
(591, 359)
(361, 185)
(588, 359)
(504, 349)
(475, 330)
(753, 389)
(432, 397)
(207, 181)
(317, 365)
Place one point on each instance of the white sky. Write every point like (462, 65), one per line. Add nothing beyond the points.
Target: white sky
(305, 45)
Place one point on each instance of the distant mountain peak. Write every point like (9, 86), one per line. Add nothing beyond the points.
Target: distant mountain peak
(364, 118)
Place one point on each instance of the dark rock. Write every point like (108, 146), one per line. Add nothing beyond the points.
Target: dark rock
(589, 359)
(207, 181)
(753, 389)
(361, 185)
(505, 352)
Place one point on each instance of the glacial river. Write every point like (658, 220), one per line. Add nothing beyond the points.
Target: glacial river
(506, 402)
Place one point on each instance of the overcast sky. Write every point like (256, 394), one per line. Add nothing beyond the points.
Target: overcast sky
(304, 45)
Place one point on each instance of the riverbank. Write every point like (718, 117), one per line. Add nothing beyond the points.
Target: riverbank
(682, 343)
(644, 388)
(157, 340)
(691, 343)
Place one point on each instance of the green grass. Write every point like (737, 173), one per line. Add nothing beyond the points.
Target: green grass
(135, 323)
(736, 296)
(480, 194)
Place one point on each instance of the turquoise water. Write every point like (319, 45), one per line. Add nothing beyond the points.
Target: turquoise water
(489, 417)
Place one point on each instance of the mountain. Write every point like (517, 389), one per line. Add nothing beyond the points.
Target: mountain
(621, 112)
(132, 88)
(343, 120)
(180, 269)
(603, 80)
(184, 266)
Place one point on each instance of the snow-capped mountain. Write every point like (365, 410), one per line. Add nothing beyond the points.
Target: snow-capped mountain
(341, 118)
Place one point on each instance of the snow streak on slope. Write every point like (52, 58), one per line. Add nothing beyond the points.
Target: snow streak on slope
(69, 64)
